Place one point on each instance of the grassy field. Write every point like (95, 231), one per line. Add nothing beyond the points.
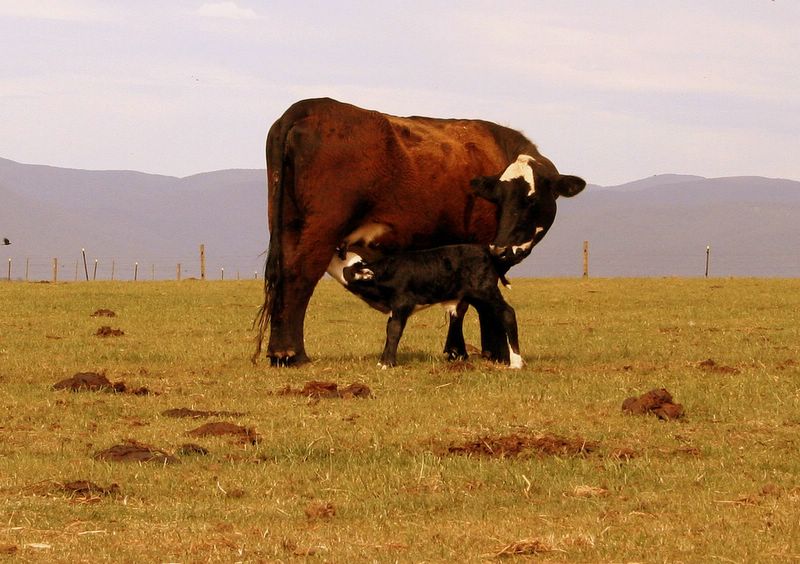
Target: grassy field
(390, 478)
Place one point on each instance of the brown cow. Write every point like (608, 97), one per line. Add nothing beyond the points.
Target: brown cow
(339, 175)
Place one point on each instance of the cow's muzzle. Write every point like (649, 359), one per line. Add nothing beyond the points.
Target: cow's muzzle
(514, 253)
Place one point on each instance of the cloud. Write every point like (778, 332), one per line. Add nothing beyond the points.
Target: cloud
(226, 10)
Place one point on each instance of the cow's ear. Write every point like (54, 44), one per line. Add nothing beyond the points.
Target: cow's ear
(485, 187)
(568, 186)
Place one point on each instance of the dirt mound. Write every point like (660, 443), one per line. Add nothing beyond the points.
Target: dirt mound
(320, 510)
(89, 381)
(658, 402)
(94, 382)
(526, 547)
(87, 489)
(106, 331)
(103, 313)
(134, 451)
(709, 365)
(198, 414)
(221, 428)
(506, 446)
(317, 389)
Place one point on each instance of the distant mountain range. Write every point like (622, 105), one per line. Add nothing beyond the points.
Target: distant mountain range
(656, 226)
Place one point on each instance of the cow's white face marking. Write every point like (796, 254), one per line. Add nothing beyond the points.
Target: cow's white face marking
(523, 247)
(515, 359)
(522, 167)
(337, 266)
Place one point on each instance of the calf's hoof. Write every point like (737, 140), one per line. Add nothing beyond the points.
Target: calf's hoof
(453, 355)
(515, 361)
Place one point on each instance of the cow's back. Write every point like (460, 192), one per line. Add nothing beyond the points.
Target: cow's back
(404, 178)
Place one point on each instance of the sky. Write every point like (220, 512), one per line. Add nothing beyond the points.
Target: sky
(611, 90)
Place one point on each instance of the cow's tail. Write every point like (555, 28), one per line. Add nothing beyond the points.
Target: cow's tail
(279, 174)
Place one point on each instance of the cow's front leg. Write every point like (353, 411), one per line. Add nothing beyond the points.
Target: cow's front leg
(394, 330)
(454, 346)
(509, 319)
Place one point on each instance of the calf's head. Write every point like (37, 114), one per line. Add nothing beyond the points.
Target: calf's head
(525, 194)
(357, 272)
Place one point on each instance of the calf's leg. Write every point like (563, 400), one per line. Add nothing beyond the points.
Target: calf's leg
(394, 330)
(454, 347)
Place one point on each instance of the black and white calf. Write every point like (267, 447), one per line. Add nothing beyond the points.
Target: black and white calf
(455, 276)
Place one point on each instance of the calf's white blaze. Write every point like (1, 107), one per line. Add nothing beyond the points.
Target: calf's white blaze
(337, 266)
(522, 167)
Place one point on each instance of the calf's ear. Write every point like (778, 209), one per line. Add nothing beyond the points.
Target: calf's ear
(568, 185)
(485, 187)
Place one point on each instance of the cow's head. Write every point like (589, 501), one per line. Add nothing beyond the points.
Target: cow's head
(525, 194)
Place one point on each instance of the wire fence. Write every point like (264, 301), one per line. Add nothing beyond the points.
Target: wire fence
(704, 260)
(82, 267)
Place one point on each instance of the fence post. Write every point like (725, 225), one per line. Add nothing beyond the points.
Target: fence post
(586, 259)
(55, 270)
(113, 268)
(178, 272)
(85, 268)
(202, 262)
(135, 271)
(222, 273)
(9, 270)
(94, 273)
(27, 264)
(708, 256)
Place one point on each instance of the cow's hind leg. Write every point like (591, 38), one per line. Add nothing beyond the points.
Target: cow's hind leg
(304, 262)
(454, 347)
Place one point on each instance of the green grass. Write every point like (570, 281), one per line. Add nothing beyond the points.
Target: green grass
(723, 484)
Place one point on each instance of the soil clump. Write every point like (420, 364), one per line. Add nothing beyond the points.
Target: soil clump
(95, 382)
(513, 445)
(134, 451)
(106, 331)
(318, 389)
(657, 401)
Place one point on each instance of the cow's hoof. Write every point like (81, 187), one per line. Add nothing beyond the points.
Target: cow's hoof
(383, 366)
(287, 359)
(516, 361)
